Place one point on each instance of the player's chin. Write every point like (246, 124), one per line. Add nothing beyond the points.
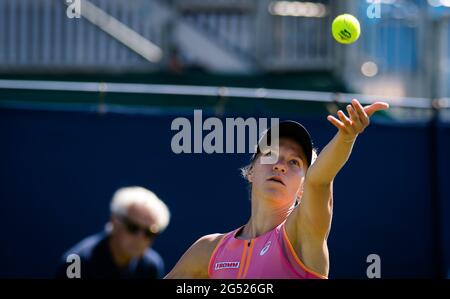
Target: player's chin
(276, 192)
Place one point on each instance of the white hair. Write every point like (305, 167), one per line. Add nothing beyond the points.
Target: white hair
(127, 196)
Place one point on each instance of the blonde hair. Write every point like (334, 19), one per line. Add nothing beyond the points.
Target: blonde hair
(127, 196)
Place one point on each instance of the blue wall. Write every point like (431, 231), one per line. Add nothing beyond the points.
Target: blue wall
(58, 171)
(444, 194)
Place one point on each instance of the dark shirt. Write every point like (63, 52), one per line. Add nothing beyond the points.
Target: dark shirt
(97, 261)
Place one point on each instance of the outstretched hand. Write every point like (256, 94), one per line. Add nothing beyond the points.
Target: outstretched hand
(359, 118)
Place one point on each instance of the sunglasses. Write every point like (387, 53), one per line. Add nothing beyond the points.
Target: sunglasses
(134, 228)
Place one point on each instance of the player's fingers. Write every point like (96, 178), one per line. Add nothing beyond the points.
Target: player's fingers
(337, 123)
(356, 126)
(344, 119)
(371, 109)
(360, 120)
(364, 118)
(353, 116)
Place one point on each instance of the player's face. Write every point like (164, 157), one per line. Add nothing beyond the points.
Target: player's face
(133, 231)
(284, 179)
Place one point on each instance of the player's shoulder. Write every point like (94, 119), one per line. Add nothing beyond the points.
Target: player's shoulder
(194, 262)
(211, 238)
(207, 243)
(203, 248)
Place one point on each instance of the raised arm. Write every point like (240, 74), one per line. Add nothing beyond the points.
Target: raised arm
(338, 150)
(311, 222)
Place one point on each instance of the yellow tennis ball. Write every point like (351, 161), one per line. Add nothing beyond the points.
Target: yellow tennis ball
(345, 29)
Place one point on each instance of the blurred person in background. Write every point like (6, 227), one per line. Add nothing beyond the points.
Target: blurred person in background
(124, 250)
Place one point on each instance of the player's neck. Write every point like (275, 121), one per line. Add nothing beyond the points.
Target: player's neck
(264, 218)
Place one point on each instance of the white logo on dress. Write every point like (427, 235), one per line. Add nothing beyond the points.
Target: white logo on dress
(226, 265)
(265, 249)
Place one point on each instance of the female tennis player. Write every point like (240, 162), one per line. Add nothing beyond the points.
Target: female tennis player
(291, 208)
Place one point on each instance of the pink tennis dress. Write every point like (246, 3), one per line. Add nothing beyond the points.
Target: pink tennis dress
(269, 256)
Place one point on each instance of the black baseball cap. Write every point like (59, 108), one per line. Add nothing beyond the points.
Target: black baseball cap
(293, 130)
